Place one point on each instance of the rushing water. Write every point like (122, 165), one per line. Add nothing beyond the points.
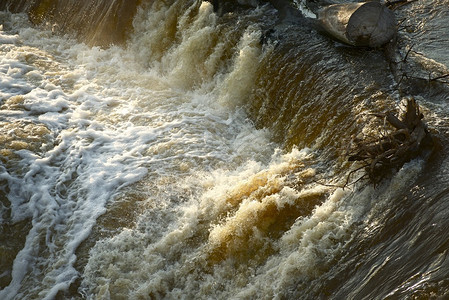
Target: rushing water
(200, 159)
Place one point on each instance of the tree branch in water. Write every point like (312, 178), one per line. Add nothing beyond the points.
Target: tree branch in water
(404, 139)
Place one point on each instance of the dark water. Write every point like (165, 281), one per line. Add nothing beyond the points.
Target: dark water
(218, 137)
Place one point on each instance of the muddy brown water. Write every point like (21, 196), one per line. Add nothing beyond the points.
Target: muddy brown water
(200, 158)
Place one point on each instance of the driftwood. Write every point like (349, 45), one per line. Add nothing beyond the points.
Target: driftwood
(403, 139)
(366, 24)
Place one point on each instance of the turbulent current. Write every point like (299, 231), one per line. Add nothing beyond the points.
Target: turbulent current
(194, 150)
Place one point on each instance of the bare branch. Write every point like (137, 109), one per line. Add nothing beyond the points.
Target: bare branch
(395, 144)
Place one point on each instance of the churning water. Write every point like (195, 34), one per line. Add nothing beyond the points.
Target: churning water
(201, 159)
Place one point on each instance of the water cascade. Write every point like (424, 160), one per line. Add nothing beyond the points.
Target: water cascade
(193, 149)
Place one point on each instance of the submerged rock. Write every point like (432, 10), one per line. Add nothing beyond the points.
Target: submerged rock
(367, 24)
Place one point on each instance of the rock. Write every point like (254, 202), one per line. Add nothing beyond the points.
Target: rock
(367, 24)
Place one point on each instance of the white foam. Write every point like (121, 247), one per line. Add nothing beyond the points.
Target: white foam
(7, 39)
(304, 9)
(113, 123)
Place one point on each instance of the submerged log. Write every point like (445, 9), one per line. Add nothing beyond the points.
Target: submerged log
(406, 138)
(367, 24)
